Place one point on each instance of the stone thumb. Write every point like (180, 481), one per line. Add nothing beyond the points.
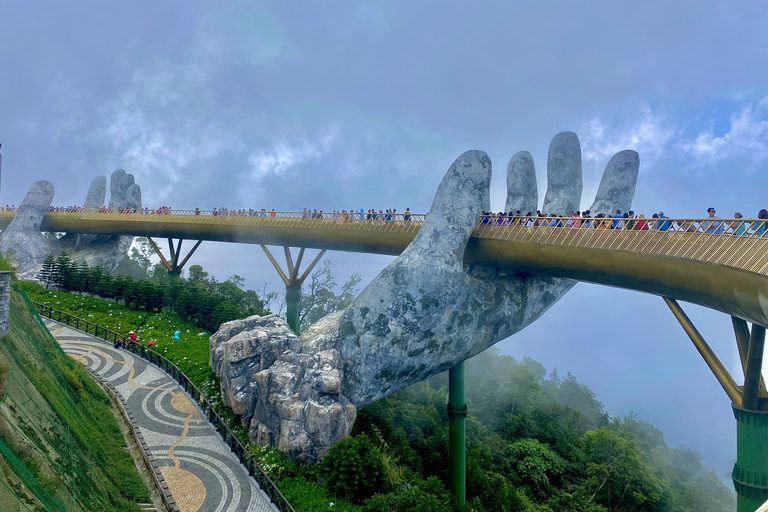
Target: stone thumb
(33, 208)
(463, 194)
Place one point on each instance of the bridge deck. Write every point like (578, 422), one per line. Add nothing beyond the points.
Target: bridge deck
(723, 271)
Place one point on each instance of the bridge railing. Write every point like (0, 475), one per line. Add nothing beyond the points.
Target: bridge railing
(739, 243)
(246, 459)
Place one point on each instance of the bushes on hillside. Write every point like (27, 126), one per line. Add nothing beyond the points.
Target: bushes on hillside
(200, 300)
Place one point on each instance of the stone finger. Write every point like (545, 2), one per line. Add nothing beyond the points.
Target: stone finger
(133, 196)
(564, 183)
(463, 194)
(96, 193)
(617, 186)
(522, 192)
(116, 188)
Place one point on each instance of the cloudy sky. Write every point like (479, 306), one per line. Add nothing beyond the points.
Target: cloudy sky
(335, 105)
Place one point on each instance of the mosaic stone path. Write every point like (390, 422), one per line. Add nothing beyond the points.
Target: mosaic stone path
(201, 472)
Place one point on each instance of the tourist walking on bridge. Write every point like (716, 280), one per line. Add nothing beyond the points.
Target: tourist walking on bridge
(712, 227)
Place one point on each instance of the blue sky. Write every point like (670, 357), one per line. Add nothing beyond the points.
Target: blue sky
(365, 104)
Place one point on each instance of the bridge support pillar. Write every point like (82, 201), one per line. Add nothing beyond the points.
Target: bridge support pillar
(172, 265)
(750, 473)
(293, 282)
(457, 412)
(293, 306)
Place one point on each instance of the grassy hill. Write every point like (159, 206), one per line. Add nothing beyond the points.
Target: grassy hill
(61, 447)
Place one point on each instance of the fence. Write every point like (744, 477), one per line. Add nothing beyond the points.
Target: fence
(246, 459)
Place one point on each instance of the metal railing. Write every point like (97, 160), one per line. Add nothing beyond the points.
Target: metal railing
(245, 458)
(738, 243)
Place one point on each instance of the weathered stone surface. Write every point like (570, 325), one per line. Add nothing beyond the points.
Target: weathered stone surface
(522, 190)
(97, 192)
(27, 247)
(617, 186)
(287, 398)
(22, 242)
(133, 196)
(421, 315)
(116, 188)
(564, 183)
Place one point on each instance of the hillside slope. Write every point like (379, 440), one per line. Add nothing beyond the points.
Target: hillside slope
(60, 445)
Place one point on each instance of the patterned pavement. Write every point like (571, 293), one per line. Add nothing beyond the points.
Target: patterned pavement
(201, 472)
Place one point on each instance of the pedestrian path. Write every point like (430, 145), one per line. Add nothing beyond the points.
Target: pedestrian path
(199, 469)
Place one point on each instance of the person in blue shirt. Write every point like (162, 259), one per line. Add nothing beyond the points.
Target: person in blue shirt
(664, 225)
(741, 227)
(617, 224)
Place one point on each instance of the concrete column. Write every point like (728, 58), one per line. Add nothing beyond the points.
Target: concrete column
(293, 306)
(750, 473)
(457, 412)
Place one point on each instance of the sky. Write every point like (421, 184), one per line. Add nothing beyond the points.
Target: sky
(339, 105)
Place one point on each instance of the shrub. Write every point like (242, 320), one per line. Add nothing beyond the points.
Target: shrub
(355, 469)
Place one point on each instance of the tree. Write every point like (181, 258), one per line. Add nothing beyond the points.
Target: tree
(198, 276)
(320, 299)
(62, 270)
(355, 468)
(159, 273)
(617, 475)
(536, 465)
(46, 274)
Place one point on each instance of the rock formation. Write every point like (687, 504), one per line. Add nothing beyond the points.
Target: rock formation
(302, 412)
(22, 242)
(421, 315)
(26, 247)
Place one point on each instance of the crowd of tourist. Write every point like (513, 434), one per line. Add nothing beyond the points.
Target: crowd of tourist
(630, 221)
(578, 219)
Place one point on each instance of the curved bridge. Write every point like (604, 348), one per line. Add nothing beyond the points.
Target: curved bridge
(721, 271)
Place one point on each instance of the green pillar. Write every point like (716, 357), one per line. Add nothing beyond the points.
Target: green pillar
(292, 306)
(457, 411)
(750, 473)
(174, 276)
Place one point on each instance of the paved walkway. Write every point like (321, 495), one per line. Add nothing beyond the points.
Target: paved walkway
(201, 472)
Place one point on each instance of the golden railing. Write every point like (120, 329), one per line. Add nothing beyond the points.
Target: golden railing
(707, 240)
(738, 243)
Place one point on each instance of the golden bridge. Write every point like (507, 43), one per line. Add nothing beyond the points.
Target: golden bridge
(720, 264)
(710, 267)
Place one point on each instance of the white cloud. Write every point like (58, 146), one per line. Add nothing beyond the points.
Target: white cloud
(650, 135)
(657, 135)
(282, 156)
(748, 137)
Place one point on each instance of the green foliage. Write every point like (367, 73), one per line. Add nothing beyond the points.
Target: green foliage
(307, 496)
(354, 468)
(200, 301)
(617, 475)
(536, 465)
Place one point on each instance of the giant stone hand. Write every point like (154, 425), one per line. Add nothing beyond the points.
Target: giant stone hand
(424, 313)
(26, 247)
